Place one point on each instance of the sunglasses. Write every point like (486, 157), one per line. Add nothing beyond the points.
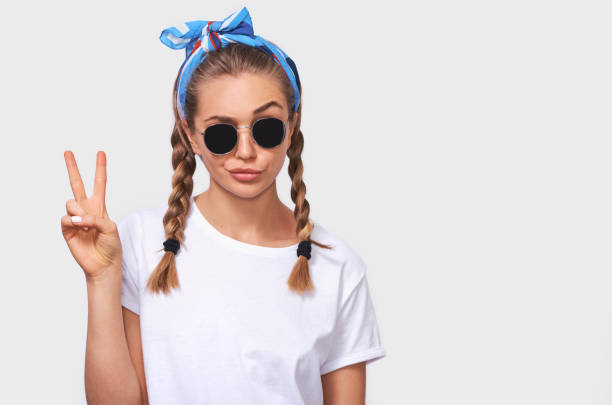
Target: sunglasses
(222, 138)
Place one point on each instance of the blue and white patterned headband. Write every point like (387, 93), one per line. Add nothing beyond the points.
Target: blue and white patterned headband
(200, 37)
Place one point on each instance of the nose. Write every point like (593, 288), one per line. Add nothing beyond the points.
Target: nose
(246, 147)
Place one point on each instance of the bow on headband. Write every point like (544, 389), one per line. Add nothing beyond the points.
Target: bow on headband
(199, 37)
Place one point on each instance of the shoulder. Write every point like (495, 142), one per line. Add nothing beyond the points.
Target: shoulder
(140, 222)
(340, 252)
(342, 256)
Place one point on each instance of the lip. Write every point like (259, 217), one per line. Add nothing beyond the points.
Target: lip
(245, 170)
(244, 174)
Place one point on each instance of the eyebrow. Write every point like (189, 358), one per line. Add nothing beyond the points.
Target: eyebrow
(257, 110)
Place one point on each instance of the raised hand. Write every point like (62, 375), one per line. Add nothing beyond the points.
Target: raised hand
(94, 240)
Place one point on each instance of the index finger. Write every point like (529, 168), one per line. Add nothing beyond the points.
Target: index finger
(100, 176)
(76, 183)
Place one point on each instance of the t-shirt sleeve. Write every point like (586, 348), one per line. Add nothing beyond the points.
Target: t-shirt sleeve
(129, 233)
(356, 336)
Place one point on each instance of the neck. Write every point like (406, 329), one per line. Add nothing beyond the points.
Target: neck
(260, 220)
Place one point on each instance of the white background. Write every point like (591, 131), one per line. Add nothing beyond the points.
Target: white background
(461, 147)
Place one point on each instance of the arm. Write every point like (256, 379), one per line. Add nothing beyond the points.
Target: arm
(93, 240)
(345, 386)
(131, 322)
(110, 376)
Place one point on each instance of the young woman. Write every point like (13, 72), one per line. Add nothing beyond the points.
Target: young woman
(229, 296)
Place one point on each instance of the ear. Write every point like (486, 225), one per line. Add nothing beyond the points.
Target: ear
(190, 136)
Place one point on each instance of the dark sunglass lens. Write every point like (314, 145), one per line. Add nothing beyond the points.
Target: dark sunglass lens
(220, 138)
(269, 132)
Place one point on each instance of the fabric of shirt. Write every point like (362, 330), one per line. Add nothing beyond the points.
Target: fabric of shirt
(234, 333)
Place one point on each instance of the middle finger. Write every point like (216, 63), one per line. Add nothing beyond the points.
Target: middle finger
(100, 177)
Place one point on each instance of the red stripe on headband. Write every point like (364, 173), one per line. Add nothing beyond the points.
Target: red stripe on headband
(213, 42)
(196, 46)
(213, 32)
(281, 65)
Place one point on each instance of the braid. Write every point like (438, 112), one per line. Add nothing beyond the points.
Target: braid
(165, 276)
(299, 279)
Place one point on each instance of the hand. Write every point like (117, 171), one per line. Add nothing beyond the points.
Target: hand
(94, 242)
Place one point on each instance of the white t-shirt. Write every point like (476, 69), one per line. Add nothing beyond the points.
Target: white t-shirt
(234, 333)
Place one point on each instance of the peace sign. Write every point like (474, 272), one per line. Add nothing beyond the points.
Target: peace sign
(91, 236)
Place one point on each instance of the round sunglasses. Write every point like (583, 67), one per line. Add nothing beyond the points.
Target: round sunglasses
(222, 138)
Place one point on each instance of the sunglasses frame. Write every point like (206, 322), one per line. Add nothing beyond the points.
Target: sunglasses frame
(244, 126)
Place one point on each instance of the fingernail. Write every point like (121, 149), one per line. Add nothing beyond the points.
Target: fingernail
(76, 218)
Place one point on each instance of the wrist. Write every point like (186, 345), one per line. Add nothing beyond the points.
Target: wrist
(109, 276)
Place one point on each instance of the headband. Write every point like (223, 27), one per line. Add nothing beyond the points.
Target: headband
(200, 37)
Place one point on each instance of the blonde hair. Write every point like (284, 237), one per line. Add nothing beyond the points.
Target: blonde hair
(230, 60)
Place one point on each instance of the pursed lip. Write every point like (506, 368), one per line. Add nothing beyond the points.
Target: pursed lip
(244, 170)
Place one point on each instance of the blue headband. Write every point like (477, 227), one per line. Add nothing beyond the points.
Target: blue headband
(200, 37)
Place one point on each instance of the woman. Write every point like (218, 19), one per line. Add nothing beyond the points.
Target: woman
(224, 313)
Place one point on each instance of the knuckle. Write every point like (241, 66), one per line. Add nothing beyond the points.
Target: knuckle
(72, 206)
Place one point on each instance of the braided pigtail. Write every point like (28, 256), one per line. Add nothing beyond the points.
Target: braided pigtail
(165, 276)
(299, 279)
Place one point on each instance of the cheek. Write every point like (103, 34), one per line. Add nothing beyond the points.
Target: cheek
(277, 160)
(201, 146)
(214, 164)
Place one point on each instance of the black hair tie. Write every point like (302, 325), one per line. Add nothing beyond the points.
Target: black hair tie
(304, 248)
(172, 245)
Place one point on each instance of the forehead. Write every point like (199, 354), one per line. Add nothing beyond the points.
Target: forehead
(237, 96)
